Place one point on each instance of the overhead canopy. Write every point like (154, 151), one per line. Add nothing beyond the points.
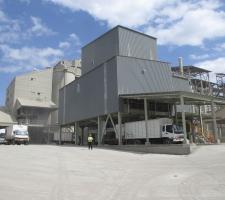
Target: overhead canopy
(190, 69)
(35, 104)
(6, 119)
(174, 97)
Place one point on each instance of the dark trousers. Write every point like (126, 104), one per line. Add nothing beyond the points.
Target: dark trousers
(90, 145)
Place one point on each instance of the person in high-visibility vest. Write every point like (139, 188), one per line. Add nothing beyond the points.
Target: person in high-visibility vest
(90, 141)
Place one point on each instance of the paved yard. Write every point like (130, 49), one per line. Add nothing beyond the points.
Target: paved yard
(75, 173)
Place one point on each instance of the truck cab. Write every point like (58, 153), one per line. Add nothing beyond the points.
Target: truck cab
(21, 136)
(17, 134)
(172, 133)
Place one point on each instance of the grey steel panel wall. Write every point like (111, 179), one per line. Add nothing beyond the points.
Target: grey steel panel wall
(143, 76)
(93, 94)
(100, 50)
(180, 84)
(136, 45)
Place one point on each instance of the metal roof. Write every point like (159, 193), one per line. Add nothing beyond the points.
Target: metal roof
(174, 97)
(116, 27)
(190, 68)
(35, 103)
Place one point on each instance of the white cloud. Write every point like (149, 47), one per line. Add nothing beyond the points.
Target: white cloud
(2, 16)
(27, 58)
(128, 12)
(199, 57)
(175, 22)
(10, 29)
(215, 65)
(219, 47)
(74, 39)
(64, 45)
(39, 28)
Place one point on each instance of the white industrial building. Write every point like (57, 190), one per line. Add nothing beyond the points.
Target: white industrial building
(32, 98)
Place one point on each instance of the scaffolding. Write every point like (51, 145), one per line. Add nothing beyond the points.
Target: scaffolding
(220, 81)
(198, 78)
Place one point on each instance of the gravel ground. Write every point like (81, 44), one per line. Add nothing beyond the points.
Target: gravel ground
(75, 173)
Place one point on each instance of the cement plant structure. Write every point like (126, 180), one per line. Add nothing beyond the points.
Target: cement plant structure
(123, 81)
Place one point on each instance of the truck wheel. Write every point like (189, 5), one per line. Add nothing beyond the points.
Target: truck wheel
(166, 141)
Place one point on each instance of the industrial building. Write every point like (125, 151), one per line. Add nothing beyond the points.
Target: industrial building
(122, 81)
(32, 99)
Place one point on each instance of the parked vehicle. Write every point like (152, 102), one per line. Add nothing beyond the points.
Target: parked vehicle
(17, 134)
(160, 130)
(2, 136)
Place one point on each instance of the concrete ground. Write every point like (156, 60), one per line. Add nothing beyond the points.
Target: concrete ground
(74, 173)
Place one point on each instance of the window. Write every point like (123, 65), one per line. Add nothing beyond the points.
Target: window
(169, 128)
(38, 93)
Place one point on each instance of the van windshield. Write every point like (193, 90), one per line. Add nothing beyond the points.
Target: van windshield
(19, 132)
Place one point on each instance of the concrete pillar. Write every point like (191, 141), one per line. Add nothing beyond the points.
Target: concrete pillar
(214, 123)
(146, 120)
(119, 128)
(183, 119)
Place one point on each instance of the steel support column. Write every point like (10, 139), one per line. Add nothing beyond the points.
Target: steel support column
(76, 131)
(60, 135)
(99, 130)
(119, 128)
(183, 119)
(214, 123)
(200, 117)
(146, 120)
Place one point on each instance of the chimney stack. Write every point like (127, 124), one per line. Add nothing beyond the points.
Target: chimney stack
(180, 60)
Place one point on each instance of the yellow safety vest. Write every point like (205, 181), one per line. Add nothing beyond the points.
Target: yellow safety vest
(90, 139)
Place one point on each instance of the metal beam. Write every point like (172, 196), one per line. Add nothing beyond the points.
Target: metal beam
(183, 119)
(214, 123)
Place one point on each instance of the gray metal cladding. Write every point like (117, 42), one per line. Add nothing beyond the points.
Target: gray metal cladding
(93, 94)
(143, 76)
(136, 45)
(119, 41)
(181, 84)
(99, 51)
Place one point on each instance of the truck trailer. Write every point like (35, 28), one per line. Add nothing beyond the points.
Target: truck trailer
(17, 134)
(160, 130)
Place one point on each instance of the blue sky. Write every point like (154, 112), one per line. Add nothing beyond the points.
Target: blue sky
(37, 34)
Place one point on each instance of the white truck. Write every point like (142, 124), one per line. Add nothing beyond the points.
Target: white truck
(17, 134)
(160, 130)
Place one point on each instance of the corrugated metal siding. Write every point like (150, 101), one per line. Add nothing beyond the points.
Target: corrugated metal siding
(100, 51)
(143, 76)
(95, 93)
(136, 45)
(180, 84)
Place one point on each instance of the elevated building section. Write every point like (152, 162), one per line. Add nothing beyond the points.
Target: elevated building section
(119, 41)
(97, 92)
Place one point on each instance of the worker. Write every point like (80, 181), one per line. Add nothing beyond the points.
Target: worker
(90, 141)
